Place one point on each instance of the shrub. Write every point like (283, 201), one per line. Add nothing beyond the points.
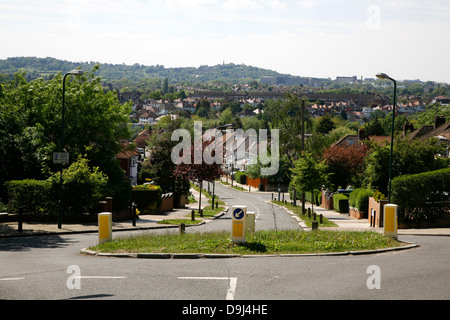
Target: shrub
(34, 196)
(316, 198)
(359, 199)
(416, 195)
(340, 203)
(147, 197)
(241, 177)
(83, 187)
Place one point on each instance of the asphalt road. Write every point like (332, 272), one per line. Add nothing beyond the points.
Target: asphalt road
(52, 268)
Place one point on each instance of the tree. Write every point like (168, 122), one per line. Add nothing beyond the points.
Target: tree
(159, 166)
(286, 117)
(309, 175)
(199, 172)
(165, 86)
(345, 163)
(325, 124)
(83, 186)
(409, 157)
(30, 118)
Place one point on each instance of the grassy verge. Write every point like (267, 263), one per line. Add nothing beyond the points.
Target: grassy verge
(308, 221)
(261, 242)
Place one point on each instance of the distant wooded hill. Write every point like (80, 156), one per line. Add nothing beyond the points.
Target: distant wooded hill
(227, 73)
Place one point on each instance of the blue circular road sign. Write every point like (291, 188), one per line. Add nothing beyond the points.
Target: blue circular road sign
(238, 213)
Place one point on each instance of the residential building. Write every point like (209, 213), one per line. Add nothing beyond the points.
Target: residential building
(128, 159)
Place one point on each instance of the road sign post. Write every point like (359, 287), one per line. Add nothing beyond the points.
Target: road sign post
(238, 218)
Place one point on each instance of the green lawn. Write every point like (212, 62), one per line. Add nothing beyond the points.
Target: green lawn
(261, 242)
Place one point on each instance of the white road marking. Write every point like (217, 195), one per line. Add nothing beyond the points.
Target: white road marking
(231, 291)
(99, 277)
(11, 279)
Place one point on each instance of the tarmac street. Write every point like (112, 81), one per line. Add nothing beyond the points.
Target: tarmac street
(51, 267)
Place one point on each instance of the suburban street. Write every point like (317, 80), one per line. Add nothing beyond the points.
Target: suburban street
(51, 267)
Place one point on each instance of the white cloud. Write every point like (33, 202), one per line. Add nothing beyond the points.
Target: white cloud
(306, 4)
(192, 3)
(241, 5)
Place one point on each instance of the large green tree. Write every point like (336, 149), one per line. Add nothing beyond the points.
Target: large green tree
(409, 157)
(309, 175)
(31, 119)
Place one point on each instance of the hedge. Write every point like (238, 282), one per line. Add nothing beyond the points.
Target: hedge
(35, 196)
(359, 199)
(422, 197)
(308, 197)
(240, 177)
(340, 202)
(82, 188)
(148, 198)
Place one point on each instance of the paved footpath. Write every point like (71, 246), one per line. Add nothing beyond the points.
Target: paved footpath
(344, 222)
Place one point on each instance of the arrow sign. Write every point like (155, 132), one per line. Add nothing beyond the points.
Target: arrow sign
(238, 214)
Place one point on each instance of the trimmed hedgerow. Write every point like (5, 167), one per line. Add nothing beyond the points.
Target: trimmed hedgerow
(241, 177)
(359, 199)
(34, 196)
(422, 197)
(340, 202)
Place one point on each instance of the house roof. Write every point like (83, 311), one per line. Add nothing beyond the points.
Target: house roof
(126, 153)
(418, 133)
(442, 130)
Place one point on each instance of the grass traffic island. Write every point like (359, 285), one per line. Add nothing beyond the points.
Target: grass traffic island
(258, 243)
(307, 219)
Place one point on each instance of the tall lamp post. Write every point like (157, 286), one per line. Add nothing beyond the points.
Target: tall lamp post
(60, 207)
(394, 102)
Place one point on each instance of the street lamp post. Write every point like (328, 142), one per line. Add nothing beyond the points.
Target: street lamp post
(60, 206)
(394, 102)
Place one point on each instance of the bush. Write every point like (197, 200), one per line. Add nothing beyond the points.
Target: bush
(308, 197)
(359, 199)
(34, 196)
(340, 203)
(83, 187)
(316, 199)
(416, 195)
(147, 198)
(241, 177)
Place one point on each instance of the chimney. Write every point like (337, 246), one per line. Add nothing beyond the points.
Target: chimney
(361, 134)
(438, 121)
(407, 127)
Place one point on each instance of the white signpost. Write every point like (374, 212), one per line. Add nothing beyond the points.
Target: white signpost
(61, 157)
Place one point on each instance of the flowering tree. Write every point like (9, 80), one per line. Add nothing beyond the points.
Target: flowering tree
(199, 172)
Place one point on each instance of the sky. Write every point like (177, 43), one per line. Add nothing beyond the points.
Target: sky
(407, 39)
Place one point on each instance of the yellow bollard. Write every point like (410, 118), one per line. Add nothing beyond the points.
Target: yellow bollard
(104, 227)
(238, 223)
(390, 220)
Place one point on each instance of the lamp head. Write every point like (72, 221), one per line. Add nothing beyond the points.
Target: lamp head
(382, 76)
(76, 72)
